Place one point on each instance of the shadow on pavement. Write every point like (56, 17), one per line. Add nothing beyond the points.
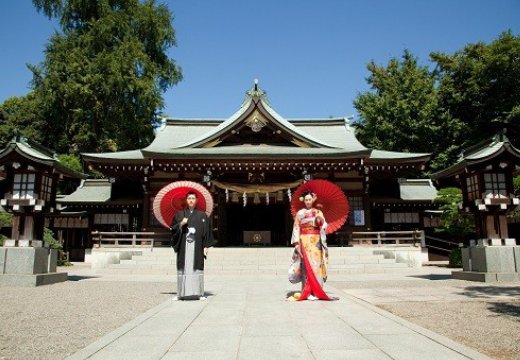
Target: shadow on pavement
(433, 276)
(80, 277)
(484, 292)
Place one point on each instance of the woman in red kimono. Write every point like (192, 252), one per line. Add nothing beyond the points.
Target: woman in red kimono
(310, 242)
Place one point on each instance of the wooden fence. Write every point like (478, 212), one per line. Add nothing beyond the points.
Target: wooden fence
(388, 238)
(130, 239)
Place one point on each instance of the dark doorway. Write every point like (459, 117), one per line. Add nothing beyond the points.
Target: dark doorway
(274, 218)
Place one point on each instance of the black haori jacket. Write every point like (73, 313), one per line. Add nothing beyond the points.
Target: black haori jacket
(203, 236)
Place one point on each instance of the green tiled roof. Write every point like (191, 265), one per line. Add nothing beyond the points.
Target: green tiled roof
(481, 152)
(133, 156)
(378, 155)
(256, 151)
(417, 189)
(90, 191)
(39, 154)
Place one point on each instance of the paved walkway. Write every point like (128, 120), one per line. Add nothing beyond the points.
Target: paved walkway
(248, 318)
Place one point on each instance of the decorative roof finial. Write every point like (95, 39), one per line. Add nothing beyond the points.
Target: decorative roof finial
(256, 92)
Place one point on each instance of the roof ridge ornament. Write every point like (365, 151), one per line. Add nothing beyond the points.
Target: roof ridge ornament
(255, 93)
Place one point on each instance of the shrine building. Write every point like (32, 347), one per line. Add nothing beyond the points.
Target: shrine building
(251, 162)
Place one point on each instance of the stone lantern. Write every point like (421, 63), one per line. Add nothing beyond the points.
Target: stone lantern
(31, 173)
(485, 173)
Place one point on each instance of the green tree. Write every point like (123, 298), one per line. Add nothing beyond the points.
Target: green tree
(401, 112)
(480, 86)
(454, 222)
(103, 76)
(19, 115)
(71, 161)
(6, 219)
(516, 189)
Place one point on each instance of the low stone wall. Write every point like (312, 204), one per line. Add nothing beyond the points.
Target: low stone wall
(414, 257)
(490, 263)
(29, 266)
(27, 260)
(100, 258)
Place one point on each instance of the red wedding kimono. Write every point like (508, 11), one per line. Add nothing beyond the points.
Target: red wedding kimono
(309, 232)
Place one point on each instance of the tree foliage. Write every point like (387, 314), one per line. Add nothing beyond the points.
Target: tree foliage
(101, 82)
(467, 97)
(6, 219)
(21, 116)
(453, 222)
(480, 86)
(402, 112)
(71, 161)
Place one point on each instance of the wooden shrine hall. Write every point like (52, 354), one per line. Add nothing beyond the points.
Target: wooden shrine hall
(252, 162)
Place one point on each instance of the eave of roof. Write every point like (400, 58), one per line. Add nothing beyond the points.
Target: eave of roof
(256, 151)
(383, 156)
(130, 156)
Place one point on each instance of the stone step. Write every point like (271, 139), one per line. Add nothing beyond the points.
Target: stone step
(264, 251)
(282, 263)
(235, 267)
(281, 272)
(215, 255)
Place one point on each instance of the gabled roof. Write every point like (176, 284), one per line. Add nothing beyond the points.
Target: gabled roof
(39, 154)
(179, 138)
(256, 101)
(479, 153)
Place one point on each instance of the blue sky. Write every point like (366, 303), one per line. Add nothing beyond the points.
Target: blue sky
(309, 55)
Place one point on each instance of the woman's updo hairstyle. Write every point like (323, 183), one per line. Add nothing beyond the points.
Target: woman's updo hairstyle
(308, 192)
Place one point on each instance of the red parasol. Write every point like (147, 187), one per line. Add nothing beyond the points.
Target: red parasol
(330, 196)
(172, 198)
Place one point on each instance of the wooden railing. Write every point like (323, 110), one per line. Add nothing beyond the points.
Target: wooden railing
(388, 238)
(130, 239)
(441, 244)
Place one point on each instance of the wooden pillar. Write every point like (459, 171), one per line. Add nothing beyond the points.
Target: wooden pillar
(146, 204)
(221, 223)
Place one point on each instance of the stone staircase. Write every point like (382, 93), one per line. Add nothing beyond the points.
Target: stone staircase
(255, 260)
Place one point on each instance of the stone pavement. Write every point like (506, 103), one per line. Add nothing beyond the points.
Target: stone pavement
(248, 318)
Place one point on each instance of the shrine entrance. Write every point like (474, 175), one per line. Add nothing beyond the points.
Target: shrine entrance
(257, 225)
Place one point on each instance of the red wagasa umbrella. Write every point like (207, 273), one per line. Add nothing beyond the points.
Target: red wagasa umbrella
(334, 203)
(172, 198)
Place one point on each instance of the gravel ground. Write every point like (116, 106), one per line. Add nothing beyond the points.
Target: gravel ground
(54, 321)
(492, 328)
(485, 316)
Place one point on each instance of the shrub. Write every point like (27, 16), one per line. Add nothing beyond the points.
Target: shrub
(455, 258)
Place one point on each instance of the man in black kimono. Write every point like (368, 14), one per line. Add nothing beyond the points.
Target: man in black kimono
(192, 235)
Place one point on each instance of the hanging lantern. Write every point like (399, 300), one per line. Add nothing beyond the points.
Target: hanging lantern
(289, 194)
(256, 199)
(244, 198)
(227, 195)
(267, 198)
(234, 197)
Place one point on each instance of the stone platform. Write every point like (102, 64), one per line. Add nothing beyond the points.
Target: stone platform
(29, 266)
